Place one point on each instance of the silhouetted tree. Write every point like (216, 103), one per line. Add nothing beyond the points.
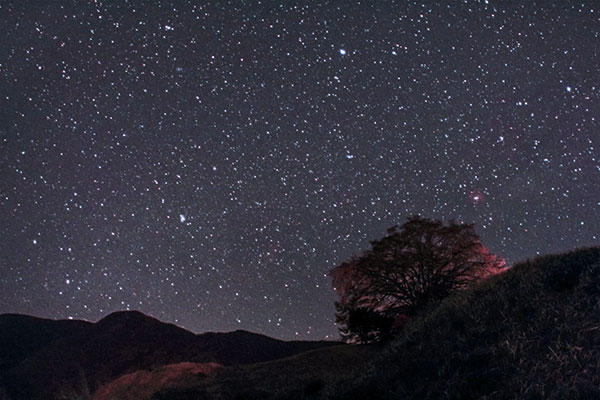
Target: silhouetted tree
(415, 265)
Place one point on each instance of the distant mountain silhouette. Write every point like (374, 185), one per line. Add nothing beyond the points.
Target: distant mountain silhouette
(23, 335)
(45, 359)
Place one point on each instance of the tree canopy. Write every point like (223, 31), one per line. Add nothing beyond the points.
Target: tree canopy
(415, 265)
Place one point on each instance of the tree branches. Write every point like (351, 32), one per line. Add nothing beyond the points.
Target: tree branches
(415, 265)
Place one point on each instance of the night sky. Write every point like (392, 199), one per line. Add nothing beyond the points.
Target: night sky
(208, 164)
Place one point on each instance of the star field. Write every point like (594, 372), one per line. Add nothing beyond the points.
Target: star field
(208, 164)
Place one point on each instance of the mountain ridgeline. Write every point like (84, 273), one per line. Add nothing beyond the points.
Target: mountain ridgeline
(530, 332)
(45, 359)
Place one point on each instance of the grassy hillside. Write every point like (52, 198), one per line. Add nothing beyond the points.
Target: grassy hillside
(303, 376)
(530, 333)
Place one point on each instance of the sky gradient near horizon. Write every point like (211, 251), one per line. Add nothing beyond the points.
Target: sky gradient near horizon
(208, 163)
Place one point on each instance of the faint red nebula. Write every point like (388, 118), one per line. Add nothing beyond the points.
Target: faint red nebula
(476, 197)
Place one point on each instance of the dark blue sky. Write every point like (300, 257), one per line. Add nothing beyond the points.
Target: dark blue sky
(209, 164)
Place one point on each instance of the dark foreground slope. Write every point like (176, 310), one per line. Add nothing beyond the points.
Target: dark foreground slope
(531, 333)
(302, 376)
(43, 359)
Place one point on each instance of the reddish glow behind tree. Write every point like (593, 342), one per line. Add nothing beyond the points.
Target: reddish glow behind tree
(418, 264)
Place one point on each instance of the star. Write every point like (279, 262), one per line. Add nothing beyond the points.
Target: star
(283, 140)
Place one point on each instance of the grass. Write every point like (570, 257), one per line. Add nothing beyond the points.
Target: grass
(532, 332)
(303, 376)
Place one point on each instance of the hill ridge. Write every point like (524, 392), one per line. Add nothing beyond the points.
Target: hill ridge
(74, 357)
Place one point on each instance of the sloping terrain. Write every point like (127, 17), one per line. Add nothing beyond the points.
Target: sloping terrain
(530, 333)
(141, 385)
(70, 359)
(302, 376)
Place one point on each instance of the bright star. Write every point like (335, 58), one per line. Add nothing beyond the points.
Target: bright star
(343, 52)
